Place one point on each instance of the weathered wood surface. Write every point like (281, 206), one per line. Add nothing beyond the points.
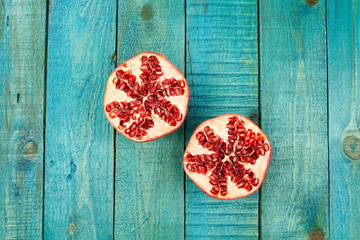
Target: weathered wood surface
(22, 61)
(79, 156)
(149, 187)
(99, 185)
(343, 112)
(222, 70)
(293, 82)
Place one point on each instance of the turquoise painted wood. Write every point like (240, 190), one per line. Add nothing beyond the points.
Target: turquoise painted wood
(293, 83)
(222, 70)
(86, 181)
(343, 112)
(79, 170)
(22, 61)
(149, 187)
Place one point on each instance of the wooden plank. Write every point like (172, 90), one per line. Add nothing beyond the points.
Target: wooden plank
(22, 61)
(294, 198)
(79, 155)
(222, 70)
(343, 111)
(149, 200)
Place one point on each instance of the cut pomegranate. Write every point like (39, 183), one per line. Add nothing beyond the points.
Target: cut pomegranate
(227, 157)
(146, 97)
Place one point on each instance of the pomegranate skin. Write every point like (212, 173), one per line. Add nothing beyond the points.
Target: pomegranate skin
(146, 97)
(204, 179)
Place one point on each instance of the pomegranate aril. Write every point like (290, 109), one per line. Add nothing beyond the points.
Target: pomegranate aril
(133, 126)
(181, 83)
(172, 122)
(154, 76)
(239, 124)
(230, 126)
(223, 146)
(213, 177)
(112, 114)
(145, 68)
(224, 193)
(209, 131)
(255, 182)
(233, 119)
(222, 184)
(152, 58)
(213, 182)
(119, 73)
(232, 136)
(252, 135)
(261, 151)
(116, 80)
(259, 142)
(144, 77)
(215, 190)
(158, 71)
(214, 138)
(189, 167)
(200, 137)
(229, 149)
(207, 145)
(249, 188)
(266, 147)
(239, 146)
(240, 184)
(144, 59)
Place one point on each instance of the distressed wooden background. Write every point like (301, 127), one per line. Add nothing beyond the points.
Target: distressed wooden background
(289, 65)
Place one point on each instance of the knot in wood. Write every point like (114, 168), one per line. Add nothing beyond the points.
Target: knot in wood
(351, 147)
(317, 235)
(312, 2)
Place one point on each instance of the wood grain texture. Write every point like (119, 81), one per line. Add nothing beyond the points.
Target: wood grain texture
(149, 201)
(79, 166)
(22, 61)
(344, 173)
(222, 70)
(294, 199)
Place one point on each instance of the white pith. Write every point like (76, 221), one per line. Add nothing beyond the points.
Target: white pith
(169, 71)
(219, 126)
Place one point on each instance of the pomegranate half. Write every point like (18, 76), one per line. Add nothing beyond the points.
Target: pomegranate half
(227, 157)
(146, 97)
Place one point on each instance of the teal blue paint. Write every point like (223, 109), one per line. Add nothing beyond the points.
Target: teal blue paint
(149, 199)
(79, 170)
(223, 76)
(343, 100)
(222, 70)
(22, 58)
(294, 197)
